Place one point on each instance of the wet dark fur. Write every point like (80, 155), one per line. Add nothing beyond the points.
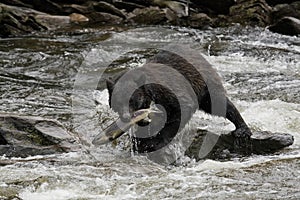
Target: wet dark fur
(155, 91)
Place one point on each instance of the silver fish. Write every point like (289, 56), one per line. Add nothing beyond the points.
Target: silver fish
(118, 128)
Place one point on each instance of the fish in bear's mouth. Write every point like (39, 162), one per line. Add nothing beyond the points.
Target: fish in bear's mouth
(118, 128)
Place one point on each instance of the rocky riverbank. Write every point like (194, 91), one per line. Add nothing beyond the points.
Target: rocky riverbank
(18, 17)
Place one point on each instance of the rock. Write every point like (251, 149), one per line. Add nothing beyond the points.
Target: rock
(199, 20)
(17, 20)
(218, 6)
(177, 7)
(261, 142)
(151, 15)
(171, 16)
(102, 6)
(286, 10)
(128, 6)
(251, 12)
(286, 26)
(46, 6)
(74, 8)
(145, 3)
(22, 136)
(275, 2)
(16, 3)
(52, 22)
(78, 18)
(104, 18)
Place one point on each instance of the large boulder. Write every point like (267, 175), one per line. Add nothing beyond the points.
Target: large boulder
(22, 136)
(18, 20)
(251, 12)
(286, 26)
(286, 10)
(150, 15)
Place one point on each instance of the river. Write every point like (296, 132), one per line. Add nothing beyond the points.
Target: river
(55, 75)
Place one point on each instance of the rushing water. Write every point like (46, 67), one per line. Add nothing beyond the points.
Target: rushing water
(55, 75)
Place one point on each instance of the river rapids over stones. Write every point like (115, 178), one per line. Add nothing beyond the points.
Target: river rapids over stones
(56, 76)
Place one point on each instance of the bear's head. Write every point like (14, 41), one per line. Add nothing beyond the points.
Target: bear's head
(127, 94)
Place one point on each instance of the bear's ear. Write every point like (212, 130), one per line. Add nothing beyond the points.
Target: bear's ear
(141, 80)
(110, 84)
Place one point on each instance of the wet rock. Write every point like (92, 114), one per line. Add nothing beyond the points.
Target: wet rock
(16, 3)
(178, 8)
(218, 6)
(171, 16)
(286, 10)
(52, 22)
(105, 7)
(199, 20)
(275, 2)
(127, 5)
(17, 20)
(74, 8)
(261, 142)
(104, 18)
(251, 12)
(22, 136)
(151, 15)
(286, 26)
(46, 6)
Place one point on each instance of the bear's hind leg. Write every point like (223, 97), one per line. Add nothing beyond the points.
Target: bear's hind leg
(242, 132)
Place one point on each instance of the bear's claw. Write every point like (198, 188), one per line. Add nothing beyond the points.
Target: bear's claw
(242, 139)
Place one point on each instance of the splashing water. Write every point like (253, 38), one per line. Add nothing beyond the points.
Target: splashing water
(260, 72)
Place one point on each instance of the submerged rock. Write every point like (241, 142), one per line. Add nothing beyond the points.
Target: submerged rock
(22, 136)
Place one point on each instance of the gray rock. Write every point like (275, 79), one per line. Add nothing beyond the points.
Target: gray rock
(199, 20)
(177, 7)
(17, 20)
(150, 15)
(107, 8)
(261, 142)
(52, 22)
(286, 26)
(22, 136)
(103, 18)
(286, 10)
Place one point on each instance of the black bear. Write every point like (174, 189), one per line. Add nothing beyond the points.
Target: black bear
(180, 82)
